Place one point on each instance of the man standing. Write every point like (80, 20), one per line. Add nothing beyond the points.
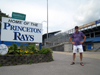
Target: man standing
(77, 44)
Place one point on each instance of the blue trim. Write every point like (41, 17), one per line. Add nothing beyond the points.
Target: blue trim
(89, 40)
(10, 43)
(96, 39)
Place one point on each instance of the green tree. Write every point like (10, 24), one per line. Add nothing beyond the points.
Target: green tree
(2, 15)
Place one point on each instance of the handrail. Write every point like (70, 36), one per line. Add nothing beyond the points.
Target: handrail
(97, 49)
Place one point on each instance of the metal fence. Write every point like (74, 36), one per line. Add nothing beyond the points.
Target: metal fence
(57, 39)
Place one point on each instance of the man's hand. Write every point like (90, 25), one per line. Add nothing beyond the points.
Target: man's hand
(73, 43)
(81, 41)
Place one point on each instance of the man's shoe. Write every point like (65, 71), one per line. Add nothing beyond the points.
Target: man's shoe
(81, 64)
(72, 63)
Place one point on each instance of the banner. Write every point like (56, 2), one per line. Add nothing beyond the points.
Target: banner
(20, 31)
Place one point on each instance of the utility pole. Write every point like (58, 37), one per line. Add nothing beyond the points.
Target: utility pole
(47, 20)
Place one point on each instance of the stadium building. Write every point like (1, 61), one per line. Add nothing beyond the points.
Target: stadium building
(60, 41)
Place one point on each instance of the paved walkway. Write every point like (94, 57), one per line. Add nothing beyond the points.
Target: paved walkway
(95, 55)
(60, 66)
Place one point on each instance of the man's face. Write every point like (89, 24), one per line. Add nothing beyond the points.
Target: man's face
(76, 29)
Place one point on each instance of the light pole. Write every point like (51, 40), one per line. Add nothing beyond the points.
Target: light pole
(42, 22)
(47, 20)
(41, 43)
(1, 23)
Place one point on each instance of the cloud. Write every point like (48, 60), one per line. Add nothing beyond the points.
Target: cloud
(59, 15)
(88, 12)
(60, 12)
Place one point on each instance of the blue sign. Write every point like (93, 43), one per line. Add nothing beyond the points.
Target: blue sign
(98, 21)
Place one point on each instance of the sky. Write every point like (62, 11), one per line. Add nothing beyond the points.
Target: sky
(62, 14)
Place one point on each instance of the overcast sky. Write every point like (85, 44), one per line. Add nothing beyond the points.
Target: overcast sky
(62, 14)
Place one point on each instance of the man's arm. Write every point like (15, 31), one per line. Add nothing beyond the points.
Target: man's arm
(83, 39)
(71, 40)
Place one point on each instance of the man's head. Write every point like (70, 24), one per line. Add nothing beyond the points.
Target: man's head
(76, 28)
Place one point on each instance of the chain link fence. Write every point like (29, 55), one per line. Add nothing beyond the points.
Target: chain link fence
(57, 39)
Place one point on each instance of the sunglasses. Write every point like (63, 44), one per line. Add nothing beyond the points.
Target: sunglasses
(76, 28)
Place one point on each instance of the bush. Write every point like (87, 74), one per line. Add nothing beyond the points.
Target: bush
(13, 49)
(21, 46)
(46, 51)
(31, 49)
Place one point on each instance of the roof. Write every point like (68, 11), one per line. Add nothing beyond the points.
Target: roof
(44, 36)
(51, 33)
(85, 25)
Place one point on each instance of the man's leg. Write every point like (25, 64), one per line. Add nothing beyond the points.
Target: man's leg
(81, 54)
(74, 55)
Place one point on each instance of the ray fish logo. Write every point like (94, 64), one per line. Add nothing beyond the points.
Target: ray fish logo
(3, 49)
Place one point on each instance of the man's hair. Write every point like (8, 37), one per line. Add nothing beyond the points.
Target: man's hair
(76, 27)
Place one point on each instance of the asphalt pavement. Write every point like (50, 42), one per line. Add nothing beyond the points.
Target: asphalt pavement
(60, 66)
